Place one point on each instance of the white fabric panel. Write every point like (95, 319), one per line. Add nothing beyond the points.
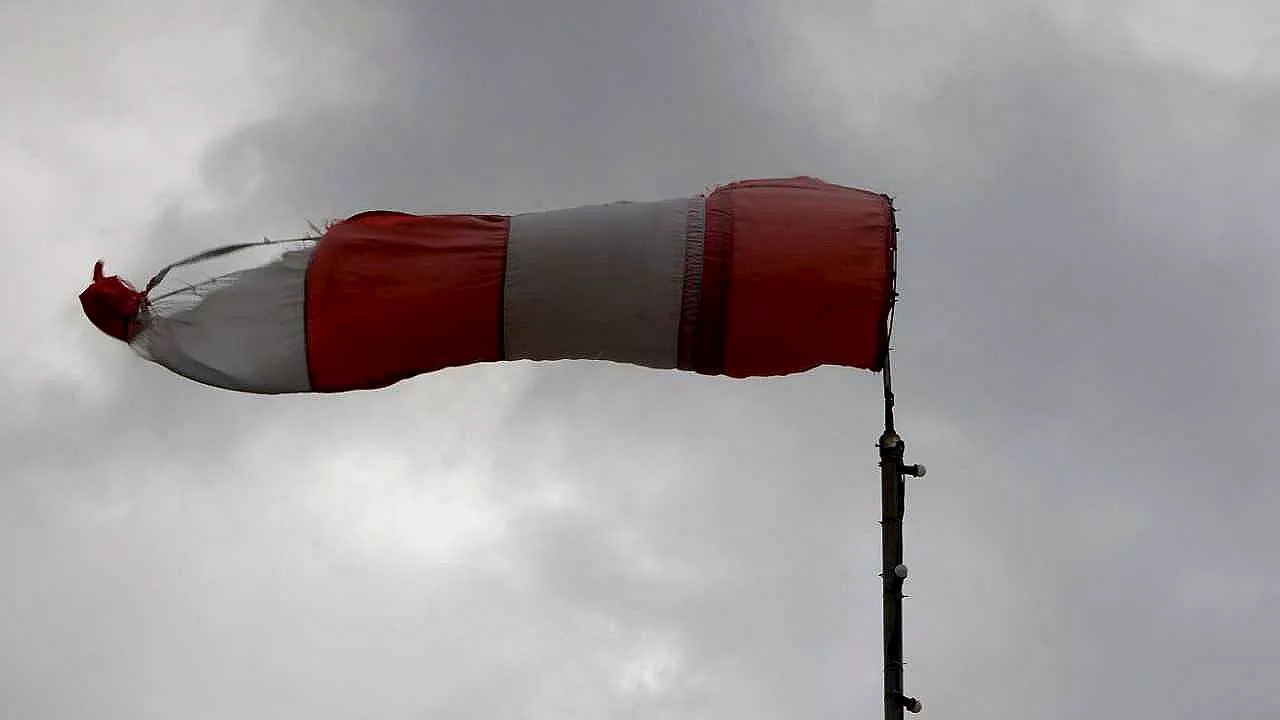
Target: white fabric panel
(248, 335)
(602, 282)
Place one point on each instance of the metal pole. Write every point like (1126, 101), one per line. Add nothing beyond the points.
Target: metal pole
(893, 498)
(891, 544)
(893, 572)
(891, 547)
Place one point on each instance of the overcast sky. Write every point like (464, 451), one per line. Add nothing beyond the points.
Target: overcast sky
(1086, 354)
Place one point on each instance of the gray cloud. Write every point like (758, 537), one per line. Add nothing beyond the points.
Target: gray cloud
(1084, 362)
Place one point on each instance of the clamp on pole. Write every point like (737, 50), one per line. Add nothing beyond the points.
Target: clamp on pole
(908, 703)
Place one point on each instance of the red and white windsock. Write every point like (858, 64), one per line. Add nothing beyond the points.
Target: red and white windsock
(755, 278)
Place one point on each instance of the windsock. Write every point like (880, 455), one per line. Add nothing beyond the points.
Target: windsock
(754, 278)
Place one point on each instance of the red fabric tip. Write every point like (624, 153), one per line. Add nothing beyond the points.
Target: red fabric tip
(112, 305)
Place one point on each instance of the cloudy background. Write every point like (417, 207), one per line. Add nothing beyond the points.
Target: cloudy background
(1086, 361)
